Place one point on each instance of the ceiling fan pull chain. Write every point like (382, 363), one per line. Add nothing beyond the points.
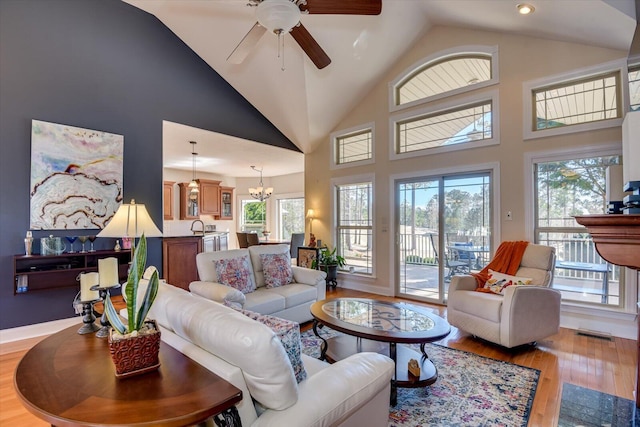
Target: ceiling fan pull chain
(281, 48)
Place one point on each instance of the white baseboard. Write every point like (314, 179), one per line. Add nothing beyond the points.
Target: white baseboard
(37, 330)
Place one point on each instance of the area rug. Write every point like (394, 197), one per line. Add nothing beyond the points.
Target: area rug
(471, 390)
(590, 408)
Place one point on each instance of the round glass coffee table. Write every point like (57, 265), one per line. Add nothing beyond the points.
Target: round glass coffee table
(378, 326)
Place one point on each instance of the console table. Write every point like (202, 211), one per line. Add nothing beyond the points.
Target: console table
(68, 380)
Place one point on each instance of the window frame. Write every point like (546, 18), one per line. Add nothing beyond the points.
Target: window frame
(528, 98)
(437, 58)
(334, 136)
(353, 180)
(276, 214)
(444, 107)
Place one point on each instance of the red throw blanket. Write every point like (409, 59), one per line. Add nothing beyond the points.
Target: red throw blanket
(507, 260)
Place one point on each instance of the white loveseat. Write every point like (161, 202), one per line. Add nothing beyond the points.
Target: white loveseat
(523, 315)
(248, 354)
(291, 302)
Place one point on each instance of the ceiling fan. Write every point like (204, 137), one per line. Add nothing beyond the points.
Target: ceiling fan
(283, 16)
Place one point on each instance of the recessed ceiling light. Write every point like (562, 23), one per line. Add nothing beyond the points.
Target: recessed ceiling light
(525, 9)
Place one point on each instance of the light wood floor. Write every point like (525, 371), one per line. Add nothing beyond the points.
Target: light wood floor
(599, 364)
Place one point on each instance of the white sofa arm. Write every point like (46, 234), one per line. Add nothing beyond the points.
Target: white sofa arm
(308, 276)
(529, 312)
(219, 293)
(462, 283)
(335, 392)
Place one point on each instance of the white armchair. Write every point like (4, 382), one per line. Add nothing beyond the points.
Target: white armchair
(524, 314)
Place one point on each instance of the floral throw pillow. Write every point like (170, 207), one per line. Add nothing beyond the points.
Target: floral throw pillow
(277, 270)
(289, 334)
(236, 272)
(498, 282)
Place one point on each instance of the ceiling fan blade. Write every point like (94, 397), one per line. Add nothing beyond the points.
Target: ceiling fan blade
(310, 46)
(246, 44)
(343, 7)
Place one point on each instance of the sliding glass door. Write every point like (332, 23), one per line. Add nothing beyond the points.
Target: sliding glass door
(443, 228)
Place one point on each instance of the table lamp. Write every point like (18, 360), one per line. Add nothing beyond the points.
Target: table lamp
(131, 221)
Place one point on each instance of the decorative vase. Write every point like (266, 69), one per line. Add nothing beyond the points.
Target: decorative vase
(136, 355)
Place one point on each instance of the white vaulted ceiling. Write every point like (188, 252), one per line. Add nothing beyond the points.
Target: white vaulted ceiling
(306, 104)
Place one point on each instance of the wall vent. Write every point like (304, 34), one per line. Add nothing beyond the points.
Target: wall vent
(594, 334)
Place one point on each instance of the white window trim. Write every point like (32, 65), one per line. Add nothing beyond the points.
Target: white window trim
(493, 167)
(438, 56)
(247, 197)
(490, 95)
(356, 179)
(618, 65)
(530, 159)
(333, 165)
(272, 208)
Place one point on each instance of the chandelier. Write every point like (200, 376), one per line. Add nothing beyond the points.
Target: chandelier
(260, 193)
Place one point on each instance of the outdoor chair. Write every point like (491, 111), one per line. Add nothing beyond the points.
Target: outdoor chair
(452, 265)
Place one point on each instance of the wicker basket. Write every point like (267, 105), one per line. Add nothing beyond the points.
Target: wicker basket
(136, 355)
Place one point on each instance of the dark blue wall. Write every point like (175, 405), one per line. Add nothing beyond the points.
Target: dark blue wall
(104, 65)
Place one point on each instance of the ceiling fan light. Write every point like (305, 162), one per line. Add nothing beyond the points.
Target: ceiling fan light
(278, 15)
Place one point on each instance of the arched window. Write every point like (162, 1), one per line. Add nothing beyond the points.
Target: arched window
(445, 74)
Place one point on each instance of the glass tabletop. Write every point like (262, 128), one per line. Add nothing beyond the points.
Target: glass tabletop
(379, 315)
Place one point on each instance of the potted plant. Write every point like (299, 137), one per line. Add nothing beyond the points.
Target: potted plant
(134, 347)
(329, 261)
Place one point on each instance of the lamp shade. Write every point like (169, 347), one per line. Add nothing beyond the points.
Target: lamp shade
(310, 213)
(131, 220)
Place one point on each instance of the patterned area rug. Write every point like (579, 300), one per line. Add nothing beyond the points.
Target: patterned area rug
(471, 390)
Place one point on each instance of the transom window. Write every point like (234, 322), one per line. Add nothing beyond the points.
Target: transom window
(586, 100)
(455, 126)
(354, 147)
(443, 76)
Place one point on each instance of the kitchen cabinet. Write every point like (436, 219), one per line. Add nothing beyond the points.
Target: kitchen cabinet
(215, 242)
(226, 203)
(179, 260)
(167, 197)
(189, 202)
(209, 197)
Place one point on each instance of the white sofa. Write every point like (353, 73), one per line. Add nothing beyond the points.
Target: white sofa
(523, 315)
(291, 302)
(248, 354)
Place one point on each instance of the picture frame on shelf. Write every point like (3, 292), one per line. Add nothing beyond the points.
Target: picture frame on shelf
(307, 256)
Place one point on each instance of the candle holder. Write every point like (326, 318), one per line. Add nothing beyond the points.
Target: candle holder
(88, 318)
(104, 293)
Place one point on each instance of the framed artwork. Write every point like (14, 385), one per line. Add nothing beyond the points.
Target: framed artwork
(306, 256)
(76, 176)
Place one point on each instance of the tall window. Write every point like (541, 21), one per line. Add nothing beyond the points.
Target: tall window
(254, 216)
(290, 217)
(564, 188)
(354, 225)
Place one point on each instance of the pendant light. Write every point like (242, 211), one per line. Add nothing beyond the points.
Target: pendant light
(193, 185)
(260, 193)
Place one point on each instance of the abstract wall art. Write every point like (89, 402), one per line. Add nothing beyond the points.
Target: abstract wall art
(76, 176)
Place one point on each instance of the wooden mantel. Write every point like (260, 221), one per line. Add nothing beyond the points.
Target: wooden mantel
(616, 237)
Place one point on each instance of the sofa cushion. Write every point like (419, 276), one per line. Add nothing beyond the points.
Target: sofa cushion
(236, 272)
(276, 269)
(296, 294)
(206, 266)
(289, 334)
(497, 282)
(484, 305)
(265, 301)
(240, 341)
(255, 252)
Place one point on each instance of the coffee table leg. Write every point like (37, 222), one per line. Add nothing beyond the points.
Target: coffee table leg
(394, 385)
(324, 345)
(228, 418)
(424, 354)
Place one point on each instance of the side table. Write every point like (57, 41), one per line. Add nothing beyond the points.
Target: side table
(69, 380)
